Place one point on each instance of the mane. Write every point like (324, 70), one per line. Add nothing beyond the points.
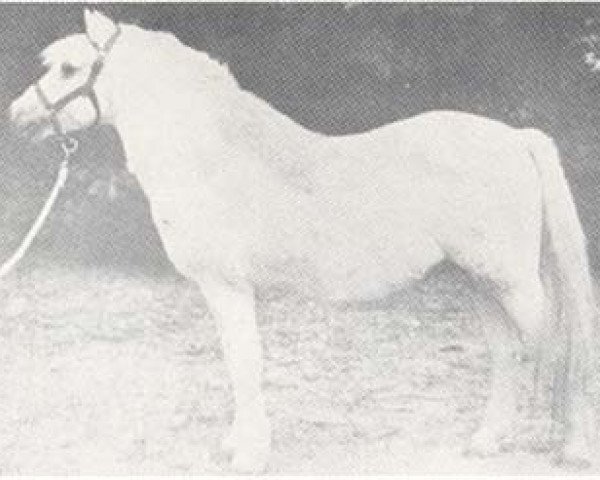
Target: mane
(200, 65)
(243, 116)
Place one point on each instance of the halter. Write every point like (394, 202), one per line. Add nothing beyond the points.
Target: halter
(85, 90)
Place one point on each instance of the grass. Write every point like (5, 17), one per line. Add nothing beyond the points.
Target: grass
(107, 372)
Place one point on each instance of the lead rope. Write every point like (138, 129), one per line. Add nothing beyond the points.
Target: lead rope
(69, 146)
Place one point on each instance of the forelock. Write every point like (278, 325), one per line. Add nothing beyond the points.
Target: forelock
(75, 48)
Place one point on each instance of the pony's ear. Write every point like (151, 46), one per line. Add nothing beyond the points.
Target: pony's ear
(99, 27)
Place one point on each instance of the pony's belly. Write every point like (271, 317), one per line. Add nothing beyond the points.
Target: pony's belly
(348, 272)
(304, 245)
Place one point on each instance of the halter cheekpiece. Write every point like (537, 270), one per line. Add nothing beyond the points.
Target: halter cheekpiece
(85, 90)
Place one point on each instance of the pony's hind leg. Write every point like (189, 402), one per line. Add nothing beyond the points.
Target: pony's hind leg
(531, 307)
(503, 343)
(514, 319)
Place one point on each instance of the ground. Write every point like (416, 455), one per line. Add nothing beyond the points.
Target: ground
(106, 372)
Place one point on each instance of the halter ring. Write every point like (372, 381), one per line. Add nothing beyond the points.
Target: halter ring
(69, 145)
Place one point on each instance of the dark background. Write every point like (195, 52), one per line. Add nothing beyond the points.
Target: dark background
(333, 68)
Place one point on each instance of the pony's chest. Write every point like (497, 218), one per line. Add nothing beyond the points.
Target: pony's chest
(203, 214)
(221, 222)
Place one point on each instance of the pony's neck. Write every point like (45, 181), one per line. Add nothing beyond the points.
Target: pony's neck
(163, 98)
(170, 98)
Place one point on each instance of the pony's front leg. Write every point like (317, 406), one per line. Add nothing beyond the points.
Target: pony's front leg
(233, 305)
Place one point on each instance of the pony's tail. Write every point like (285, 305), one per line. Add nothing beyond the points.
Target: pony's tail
(573, 284)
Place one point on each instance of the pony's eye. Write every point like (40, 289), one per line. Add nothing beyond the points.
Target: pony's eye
(67, 70)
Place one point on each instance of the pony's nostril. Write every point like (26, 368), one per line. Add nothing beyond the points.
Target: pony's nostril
(12, 113)
(13, 116)
(9, 116)
(16, 115)
(16, 122)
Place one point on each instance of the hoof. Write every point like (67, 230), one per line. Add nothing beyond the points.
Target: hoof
(571, 462)
(481, 451)
(574, 455)
(482, 448)
(250, 460)
(249, 443)
(228, 444)
(487, 442)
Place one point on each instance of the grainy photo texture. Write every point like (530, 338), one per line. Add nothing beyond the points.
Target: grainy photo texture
(299, 238)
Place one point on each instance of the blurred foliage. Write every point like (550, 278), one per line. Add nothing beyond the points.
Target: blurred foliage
(336, 68)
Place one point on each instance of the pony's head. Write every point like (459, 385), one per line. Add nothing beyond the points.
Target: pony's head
(65, 98)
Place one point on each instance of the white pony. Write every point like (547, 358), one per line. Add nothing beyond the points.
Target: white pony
(244, 199)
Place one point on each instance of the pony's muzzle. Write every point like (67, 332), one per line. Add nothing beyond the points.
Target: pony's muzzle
(27, 118)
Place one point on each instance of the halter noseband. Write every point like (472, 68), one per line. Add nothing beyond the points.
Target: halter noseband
(85, 90)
